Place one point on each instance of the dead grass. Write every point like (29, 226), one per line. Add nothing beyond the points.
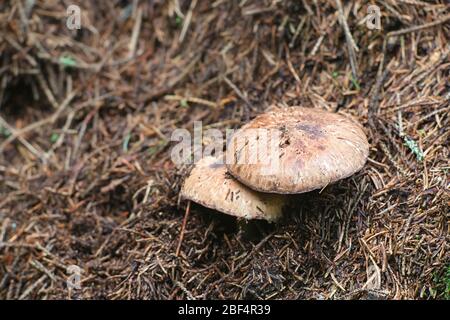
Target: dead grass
(86, 178)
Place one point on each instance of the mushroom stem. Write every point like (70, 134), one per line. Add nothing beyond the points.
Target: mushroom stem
(183, 228)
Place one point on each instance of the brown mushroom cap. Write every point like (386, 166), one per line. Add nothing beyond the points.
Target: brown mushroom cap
(210, 185)
(316, 148)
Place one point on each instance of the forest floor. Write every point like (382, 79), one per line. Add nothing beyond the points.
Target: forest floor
(87, 184)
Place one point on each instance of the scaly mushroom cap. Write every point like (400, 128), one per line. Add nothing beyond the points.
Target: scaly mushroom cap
(210, 185)
(315, 148)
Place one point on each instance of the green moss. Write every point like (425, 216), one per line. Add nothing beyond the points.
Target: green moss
(441, 288)
(54, 137)
(67, 61)
(4, 132)
(414, 147)
(355, 83)
(178, 21)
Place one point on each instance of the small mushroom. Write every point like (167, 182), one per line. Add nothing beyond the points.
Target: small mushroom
(315, 148)
(210, 185)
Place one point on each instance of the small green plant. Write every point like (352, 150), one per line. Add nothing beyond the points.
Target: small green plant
(4, 132)
(54, 137)
(184, 103)
(126, 142)
(422, 132)
(414, 147)
(178, 21)
(355, 83)
(447, 283)
(442, 285)
(67, 61)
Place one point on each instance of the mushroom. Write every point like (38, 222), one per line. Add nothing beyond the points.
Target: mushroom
(210, 185)
(315, 148)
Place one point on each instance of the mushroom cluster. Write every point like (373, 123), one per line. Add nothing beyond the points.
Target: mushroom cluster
(314, 148)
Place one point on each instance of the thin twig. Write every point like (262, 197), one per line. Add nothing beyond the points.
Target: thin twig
(421, 27)
(183, 228)
(238, 92)
(187, 21)
(351, 45)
